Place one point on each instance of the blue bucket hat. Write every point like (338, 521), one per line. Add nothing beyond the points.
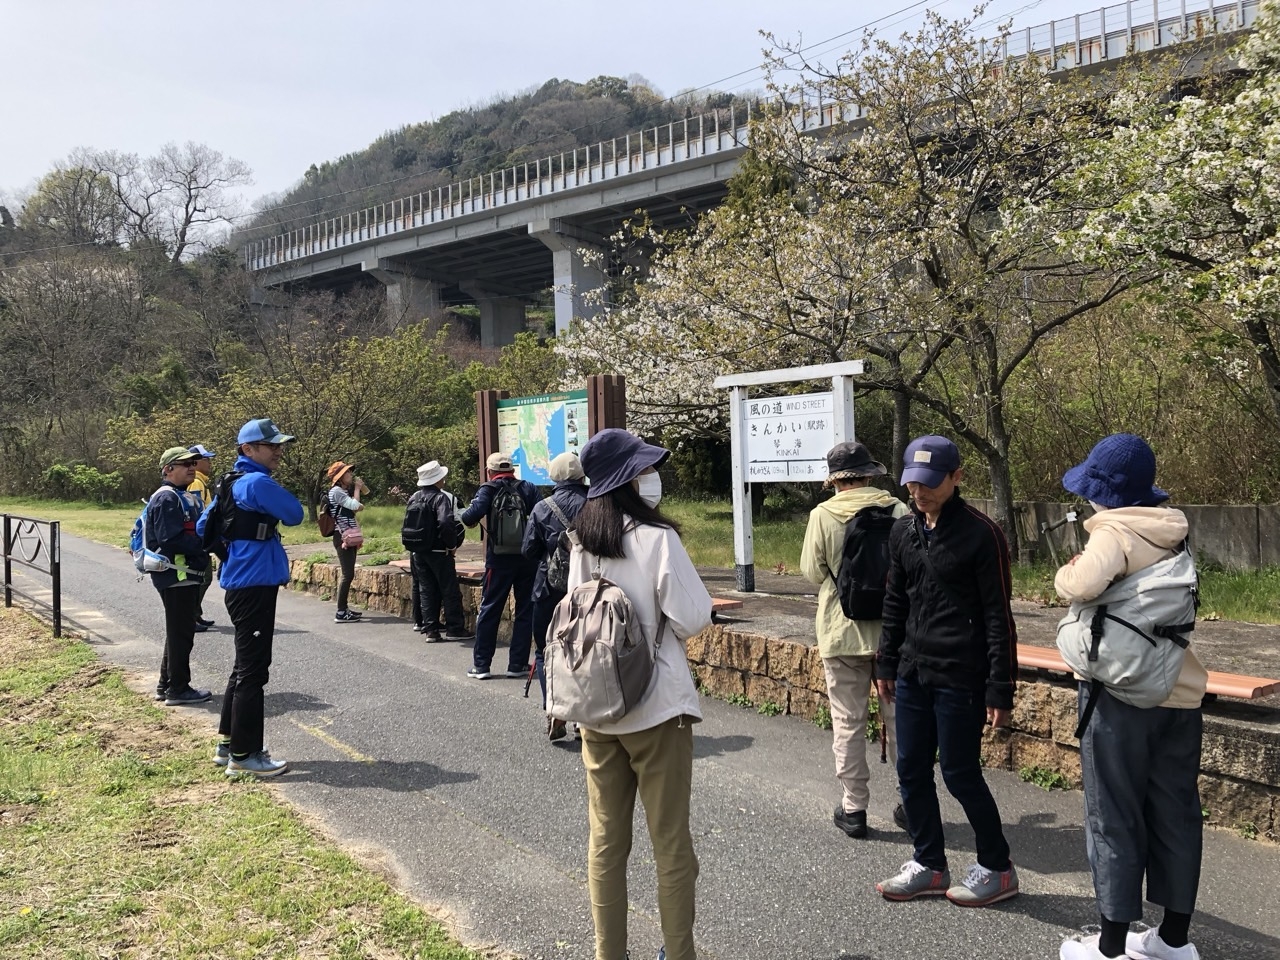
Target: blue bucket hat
(614, 457)
(1120, 471)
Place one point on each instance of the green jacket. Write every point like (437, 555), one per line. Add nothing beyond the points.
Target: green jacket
(838, 636)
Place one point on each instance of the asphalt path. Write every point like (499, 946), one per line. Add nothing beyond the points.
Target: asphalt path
(451, 784)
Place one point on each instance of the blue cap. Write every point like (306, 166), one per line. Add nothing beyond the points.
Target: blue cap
(928, 460)
(201, 450)
(1120, 471)
(614, 457)
(262, 431)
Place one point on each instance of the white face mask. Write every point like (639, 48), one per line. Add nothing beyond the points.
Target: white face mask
(649, 486)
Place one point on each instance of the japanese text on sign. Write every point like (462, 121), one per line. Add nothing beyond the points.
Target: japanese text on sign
(788, 437)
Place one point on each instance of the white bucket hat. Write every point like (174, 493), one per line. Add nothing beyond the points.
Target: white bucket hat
(429, 474)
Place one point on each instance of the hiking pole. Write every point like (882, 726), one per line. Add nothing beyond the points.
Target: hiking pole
(529, 682)
(884, 744)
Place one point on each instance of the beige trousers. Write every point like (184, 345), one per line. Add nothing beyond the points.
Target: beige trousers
(849, 690)
(658, 765)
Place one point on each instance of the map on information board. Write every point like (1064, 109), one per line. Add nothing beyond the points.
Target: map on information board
(534, 430)
(788, 437)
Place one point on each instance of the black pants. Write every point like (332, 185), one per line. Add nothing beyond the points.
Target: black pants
(253, 611)
(1142, 814)
(435, 586)
(502, 577)
(543, 607)
(347, 563)
(946, 723)
(180, 605)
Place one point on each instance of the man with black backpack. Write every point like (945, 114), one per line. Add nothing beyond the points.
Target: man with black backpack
(504, 504)
(546, 543)
(846, 551)
(242, 526)
(431, 533)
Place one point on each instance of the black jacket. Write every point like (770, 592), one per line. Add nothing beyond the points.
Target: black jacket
(429, 522)
(542, 536)
(959, 633)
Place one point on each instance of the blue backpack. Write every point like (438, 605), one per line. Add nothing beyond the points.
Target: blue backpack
(146, 560)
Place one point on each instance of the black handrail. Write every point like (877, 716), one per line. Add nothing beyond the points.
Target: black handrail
(37, 544)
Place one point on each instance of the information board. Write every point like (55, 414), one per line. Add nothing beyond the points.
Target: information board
(535, 430)
(788, 437)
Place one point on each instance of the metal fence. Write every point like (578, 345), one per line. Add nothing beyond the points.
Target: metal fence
(35, 544)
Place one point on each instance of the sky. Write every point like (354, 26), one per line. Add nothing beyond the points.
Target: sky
(282, 84)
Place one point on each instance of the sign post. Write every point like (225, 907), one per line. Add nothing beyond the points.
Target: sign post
(782, 438)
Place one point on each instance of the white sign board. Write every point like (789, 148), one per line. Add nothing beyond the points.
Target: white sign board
(788, 437)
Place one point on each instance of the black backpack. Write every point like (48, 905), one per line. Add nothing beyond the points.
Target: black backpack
(558, 561)
(228, 521)
(508, 516)
(419, 529)
(864, 564)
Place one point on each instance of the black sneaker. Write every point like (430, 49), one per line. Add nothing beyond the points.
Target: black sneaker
(188, 697)
(476, 673)
(900, 817)
(161, 696)
(199, 627)
(203, 622)
(430, 636)
(459, 636)
(346, 616)
(854, 824)
(556, 729)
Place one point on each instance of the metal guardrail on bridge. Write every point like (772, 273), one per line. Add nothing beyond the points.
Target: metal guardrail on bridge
(36, 544)
(1085, 39)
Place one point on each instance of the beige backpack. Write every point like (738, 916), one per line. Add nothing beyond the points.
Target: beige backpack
(599, 664)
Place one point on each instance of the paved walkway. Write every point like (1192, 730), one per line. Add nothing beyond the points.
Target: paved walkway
(451, 783)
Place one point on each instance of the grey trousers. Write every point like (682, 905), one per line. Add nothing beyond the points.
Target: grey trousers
(1141, 805)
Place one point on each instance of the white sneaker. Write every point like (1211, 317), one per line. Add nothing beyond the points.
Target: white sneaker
(1085, 948)
(1147, 945)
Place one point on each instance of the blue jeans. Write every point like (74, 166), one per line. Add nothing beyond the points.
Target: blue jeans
(502, 576)
(947, 722)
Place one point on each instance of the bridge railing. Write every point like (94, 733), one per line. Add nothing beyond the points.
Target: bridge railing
(1107, 33)
(648, 149)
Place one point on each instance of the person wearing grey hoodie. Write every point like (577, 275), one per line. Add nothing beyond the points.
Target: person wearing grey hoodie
(848, 647)
(1140, 767)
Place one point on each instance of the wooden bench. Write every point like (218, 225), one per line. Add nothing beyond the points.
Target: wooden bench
(473, 571)
(1220, 684)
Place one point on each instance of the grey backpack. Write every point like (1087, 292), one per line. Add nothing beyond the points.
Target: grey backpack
(599, 664)
(1132, 638)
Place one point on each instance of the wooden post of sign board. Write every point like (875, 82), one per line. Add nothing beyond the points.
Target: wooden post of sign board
(606, 402)
(487, 424)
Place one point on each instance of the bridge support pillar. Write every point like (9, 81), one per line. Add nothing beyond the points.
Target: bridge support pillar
(411, 296)
(578, 263)
(501, 318)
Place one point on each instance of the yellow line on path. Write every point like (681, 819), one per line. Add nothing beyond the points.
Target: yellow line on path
(334, 742)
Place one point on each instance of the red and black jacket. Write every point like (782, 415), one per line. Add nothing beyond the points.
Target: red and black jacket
(958, 633)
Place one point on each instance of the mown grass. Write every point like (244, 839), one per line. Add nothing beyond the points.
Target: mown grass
(1252, 596)
(119, 837)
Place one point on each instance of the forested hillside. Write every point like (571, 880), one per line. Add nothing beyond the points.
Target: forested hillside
(558, 116)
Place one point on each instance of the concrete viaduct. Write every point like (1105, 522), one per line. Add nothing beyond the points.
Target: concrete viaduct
(504, 237)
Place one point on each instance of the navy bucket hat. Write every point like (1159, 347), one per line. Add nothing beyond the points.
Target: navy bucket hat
(614, 457)
(1120, 471)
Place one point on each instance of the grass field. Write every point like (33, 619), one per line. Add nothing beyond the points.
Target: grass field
(120, 838)
(707, 527)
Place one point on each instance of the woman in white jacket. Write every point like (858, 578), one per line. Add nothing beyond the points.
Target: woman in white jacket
(649, 751)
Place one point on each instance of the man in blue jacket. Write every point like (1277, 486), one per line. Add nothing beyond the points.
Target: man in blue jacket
(254, 568)
(170, 530)
(504, 503)
(542, 540)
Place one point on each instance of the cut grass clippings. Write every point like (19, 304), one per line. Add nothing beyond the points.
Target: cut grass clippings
(120, 838)
(1251, 596)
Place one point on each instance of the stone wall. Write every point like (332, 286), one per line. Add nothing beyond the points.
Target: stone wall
(1240, 766)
